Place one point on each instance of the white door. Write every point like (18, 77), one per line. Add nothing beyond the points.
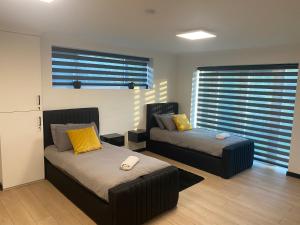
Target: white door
(20, 72)
(21, 148)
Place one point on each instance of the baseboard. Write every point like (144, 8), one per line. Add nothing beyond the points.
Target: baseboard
(291, 174)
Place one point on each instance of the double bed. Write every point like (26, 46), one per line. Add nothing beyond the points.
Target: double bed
(198, 147)
(94, 182)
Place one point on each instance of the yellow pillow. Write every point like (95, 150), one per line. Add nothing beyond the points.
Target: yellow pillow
(84, 140)
(182, 122)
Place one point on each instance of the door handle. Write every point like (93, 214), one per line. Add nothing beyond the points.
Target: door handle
(40, 123)
(39, 102)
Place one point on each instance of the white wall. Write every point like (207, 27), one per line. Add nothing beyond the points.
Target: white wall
(120, 110)
(187, 64)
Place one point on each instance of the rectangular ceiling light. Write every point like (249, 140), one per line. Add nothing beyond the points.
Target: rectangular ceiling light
(196, 35)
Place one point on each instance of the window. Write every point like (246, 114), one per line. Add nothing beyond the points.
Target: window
(255, 101)
(99, 70)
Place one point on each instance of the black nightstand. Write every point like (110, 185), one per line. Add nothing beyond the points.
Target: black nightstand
(114, 139)
(138, 135)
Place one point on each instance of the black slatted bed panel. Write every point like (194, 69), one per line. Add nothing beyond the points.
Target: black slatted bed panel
(235, 158)
(159, 108)
(130, 203)
(83, 115)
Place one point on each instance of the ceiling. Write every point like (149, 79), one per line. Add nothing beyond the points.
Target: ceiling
(237, 23)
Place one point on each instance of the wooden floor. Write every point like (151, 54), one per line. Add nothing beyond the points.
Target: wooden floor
(260, 196)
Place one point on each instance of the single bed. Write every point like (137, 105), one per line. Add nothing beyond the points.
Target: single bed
(134, 201)
(235, 156)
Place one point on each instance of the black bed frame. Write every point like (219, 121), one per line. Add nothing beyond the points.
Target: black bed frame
(130, 203)
(235, 158)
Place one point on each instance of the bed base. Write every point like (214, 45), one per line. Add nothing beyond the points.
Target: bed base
(131, 203)
(235, 159)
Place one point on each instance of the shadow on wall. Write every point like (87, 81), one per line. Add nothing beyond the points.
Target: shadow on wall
(158, 94)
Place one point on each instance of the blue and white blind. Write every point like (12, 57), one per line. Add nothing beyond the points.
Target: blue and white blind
(97, 69)
(255, 101)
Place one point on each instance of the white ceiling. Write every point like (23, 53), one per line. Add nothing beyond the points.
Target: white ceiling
(237, 23)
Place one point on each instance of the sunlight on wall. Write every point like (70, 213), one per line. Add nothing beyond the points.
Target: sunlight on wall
(149, 95)
(163, 91)
(141, 97)
(136, 106)
(159, 93)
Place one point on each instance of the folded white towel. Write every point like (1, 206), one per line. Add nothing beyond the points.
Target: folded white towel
(129, 163)
(222, 136)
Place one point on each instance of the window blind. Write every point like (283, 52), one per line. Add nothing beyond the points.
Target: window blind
(96, 69)
(255, 101)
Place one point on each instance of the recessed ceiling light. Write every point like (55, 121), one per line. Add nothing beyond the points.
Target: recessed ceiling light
(48, 1)
(196, 35)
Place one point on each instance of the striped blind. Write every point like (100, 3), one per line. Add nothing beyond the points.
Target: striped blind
(254, 101)
(96, 69)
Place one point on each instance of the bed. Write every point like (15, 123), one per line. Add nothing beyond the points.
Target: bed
(233, 158)
(131, 203)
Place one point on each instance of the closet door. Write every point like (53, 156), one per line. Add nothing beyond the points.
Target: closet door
(22, 152)
(20, 72)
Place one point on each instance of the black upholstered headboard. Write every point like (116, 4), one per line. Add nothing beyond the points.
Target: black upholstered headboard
(83, 115)
(159, 108)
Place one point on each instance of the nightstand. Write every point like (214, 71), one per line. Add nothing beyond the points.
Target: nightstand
(114, 139)
(137, 136)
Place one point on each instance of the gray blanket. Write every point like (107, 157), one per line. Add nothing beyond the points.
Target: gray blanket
(199, 139)
(100, 170)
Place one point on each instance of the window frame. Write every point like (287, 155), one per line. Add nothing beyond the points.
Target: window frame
(99, 70)
(222, 112)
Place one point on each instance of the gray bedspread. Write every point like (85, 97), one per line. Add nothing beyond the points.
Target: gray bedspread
(100, 170)
(200, 139)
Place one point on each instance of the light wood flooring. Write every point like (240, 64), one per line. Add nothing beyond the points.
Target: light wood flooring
(260, 196)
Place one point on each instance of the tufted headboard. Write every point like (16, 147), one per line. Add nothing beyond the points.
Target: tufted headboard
(159, 108)
(82, 115)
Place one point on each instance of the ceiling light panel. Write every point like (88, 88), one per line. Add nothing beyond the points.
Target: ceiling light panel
(196, 35)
